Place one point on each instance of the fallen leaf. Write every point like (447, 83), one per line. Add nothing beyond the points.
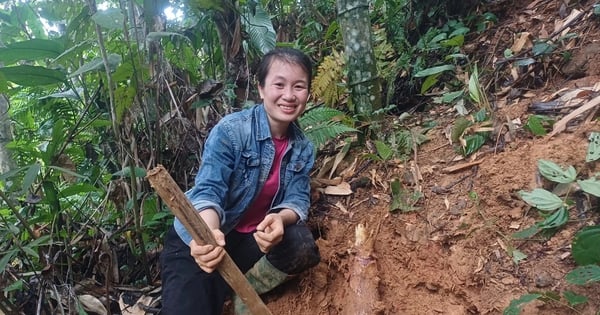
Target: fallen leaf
(343, 189)
(92, 304)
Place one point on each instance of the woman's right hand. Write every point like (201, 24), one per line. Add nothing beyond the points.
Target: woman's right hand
(208, 257)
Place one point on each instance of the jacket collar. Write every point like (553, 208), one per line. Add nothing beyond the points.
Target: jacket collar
(263, 131)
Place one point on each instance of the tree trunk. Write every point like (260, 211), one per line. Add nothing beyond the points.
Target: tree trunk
(6, 162)
(229, 27)
(363, 81)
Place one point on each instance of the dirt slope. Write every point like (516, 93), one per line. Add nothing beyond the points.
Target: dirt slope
(452, 255)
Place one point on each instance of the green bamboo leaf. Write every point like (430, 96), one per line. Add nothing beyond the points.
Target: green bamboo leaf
(35, 49)
(474, 143)
(6, 258)
(541, 199)
(555, 173)
(526, 233)
(434, 70)
(111, 18)
(574, 299)
(126, 172)
(590, 186)
(474, 86)
(429, 82)
(584, 248)
(584, 275)
(593, 152)
(17, 285)
(26, 75)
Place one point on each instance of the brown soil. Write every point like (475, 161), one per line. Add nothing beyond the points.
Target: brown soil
(452, 255)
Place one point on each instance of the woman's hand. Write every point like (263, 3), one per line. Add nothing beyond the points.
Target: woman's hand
(208, 257)
(269, 232)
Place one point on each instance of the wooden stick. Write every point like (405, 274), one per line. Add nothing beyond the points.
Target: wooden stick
(183, 209)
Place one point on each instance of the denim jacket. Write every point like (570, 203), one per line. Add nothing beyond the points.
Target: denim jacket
(237, 157)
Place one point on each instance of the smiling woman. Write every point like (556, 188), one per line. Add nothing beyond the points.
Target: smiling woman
(253, 191)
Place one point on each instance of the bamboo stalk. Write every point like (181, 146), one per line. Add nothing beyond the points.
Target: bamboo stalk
(183, 209)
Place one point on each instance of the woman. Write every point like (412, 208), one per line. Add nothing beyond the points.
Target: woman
(253, 191)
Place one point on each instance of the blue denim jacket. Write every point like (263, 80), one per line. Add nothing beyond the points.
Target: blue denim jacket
(237, 157)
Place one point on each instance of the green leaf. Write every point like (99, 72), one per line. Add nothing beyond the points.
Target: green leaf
(541, 199)
(456, 41)
(429, 82)
(111, 18)
(555, 173)
(526, 233)
(261, 31)
(384, 151)
(584, 275)
(97, 64)
(584, 248)
(474, 86)
(34, 49)
(574, 299)
(17, 285)
(452, 96)
(515, 305)
(434, 70)
(535, 126)
(32, 172)
(474, 142)
(593, 152)
(402, 199)
(78, 189)
(542, 48)
(126, 172)
(556, 219)
(6, 258)
(26, 75)
(590, 186)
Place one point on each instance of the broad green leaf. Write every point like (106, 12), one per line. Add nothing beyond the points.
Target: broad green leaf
(434, 70)
(30, 251)
(32, 172)
(456, 41)
(260, 28)
(590, 186)
(384, 151)
(515, 305)
(51, 196)
(403, 199)
(97, 64)
(584, 248)
(541, 199)
(584, 275)
(34, 49)
(555, 173)
(474, 143)
(480, 115)
(111, 18)
(542, 48)
(26, 75)
(574, 298)
(429, 82)
(593, 152)
(452, 96)
(535, 126)
(556, 219)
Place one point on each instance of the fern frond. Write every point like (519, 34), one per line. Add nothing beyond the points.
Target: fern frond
(322, 124)
(328, 84)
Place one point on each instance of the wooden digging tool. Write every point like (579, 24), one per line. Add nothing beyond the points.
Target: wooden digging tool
(183, 209)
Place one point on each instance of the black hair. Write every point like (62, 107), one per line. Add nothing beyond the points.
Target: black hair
(285, 54)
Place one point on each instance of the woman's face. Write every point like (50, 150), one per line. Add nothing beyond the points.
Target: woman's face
(284, 94)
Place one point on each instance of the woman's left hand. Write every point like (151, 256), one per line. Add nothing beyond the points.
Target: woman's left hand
(269, 232)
